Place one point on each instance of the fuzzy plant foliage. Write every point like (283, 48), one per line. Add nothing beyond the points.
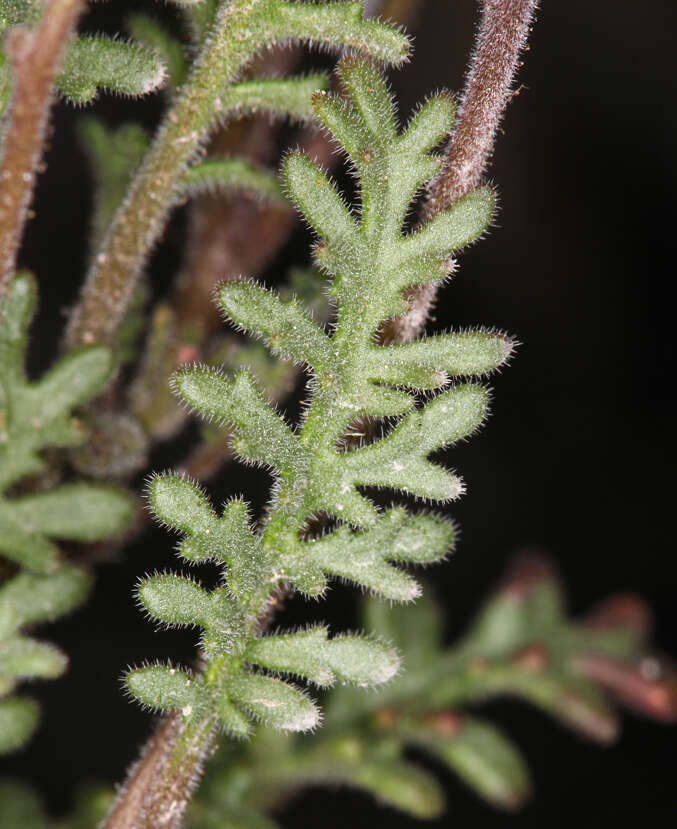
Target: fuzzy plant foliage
(92, 62)
(228, 36)
(422, 389)
(521, 643)
(35, 416)
(114, 155)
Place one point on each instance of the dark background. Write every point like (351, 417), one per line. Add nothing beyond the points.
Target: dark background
(577, 458)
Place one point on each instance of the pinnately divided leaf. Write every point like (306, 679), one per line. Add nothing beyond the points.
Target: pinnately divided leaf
(370, 260)
(35, 416)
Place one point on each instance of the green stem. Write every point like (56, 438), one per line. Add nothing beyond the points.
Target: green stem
(140, 219)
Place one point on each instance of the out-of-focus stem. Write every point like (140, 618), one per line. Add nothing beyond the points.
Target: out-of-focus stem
(501, 36)
(34, 56)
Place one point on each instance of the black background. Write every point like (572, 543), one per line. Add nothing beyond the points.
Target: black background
(577, 458)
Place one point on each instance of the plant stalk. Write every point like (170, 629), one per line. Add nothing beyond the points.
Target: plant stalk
(139, 221)
(160, 784)
(501, 37)
(35, 57)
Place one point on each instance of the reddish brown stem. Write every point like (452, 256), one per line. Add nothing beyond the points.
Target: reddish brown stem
(35, 57)
(501, 36)
(160, 784)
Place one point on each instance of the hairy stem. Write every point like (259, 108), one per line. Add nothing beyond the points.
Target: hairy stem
(161, 783)
(139, 220)
(501, 36)
(35, 57)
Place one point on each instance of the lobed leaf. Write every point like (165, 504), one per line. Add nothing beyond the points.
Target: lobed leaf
(285, 326)
(361, 557)
(427, 363)
(310, 654)
(97, 62)
(261, 434)
(451, 416)
(337, 25)
(319, 201)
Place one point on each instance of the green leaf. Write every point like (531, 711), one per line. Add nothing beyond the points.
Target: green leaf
(152, 35)
(310, 654)
(74, 380)
(285, 326)
(451, 230)
(370, 97)
(281, 97)
(400, 785)
(97, 62)
(362, 557)
(21, 545)
(509, 618)
(181, 504)
(262, 435)
(576, 703)
(18, 721)
(37, 415)
(232, 175)
(81, 512)
(427, 363)
(485, 760)
(337, 24)
(175, 600)
(274, 703)
(319, 200)
(163, 688)
(232, 720)
(114, 155)
(45, 598)
(25, 658)
(430, 123)
(451, 416)
(417, 632)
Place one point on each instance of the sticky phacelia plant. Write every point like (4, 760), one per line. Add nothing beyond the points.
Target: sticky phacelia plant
(371, 262)
(357, 487)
